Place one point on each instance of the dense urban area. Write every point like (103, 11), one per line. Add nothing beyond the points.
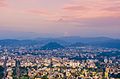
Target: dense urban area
(53, 61)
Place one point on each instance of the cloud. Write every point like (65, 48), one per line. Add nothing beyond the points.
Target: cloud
(2, 3)
(38, 11)
(75, 8)
(113, 9)
(92, 8)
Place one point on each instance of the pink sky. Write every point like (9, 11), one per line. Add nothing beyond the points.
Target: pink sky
(63, 17)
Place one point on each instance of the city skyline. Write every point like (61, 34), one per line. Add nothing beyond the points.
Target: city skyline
(86, 18)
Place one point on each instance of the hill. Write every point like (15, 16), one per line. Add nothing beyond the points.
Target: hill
(52, 46)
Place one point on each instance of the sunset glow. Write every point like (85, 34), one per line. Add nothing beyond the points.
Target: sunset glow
(62, 17)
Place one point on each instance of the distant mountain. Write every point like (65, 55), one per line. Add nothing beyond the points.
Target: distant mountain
(77, 44)
(110, 43)
(64, 41)
(51, 46)
(14, 42)
(47, 40)
(96, 41)
(75, 39)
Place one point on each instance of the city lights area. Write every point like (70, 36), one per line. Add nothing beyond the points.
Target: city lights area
(84, 62)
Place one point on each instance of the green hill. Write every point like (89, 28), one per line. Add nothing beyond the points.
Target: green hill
(52, 46)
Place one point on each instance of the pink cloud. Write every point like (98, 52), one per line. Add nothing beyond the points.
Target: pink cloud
(2, 3)
(67, 10)
(38, 11)
(88, 9)
(113, 9)
(75, 8)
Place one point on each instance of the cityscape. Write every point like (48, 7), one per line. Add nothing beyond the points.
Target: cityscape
(59, 39)
(55, 61)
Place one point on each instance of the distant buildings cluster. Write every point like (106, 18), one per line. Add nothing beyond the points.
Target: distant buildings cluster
(70, 63)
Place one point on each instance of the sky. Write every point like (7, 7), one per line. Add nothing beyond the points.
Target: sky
(86, 18)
